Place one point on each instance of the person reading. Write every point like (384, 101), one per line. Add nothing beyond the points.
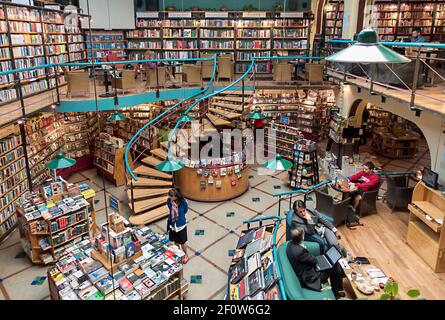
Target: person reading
(304, 265)
(316, 227)
(365, 180)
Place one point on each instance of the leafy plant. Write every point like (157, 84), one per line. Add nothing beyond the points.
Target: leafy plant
(392, 291)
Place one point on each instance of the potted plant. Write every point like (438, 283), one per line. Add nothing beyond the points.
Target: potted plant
(392, 291)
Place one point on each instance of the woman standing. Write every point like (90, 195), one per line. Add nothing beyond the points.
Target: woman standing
(177, 222)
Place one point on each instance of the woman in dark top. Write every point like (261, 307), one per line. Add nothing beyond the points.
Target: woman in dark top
(177, 222)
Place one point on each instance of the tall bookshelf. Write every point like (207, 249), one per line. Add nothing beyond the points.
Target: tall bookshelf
(180, 38)
(33, 36)
(80, 130)
(147, 36)
(13, 177)
(217, 35)
(100, 43)
(334, 19)
(396, 19)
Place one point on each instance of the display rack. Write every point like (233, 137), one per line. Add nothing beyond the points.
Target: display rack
(13, 177)
(80, 131)
(54, 217)
(425, 235)
(149, 270)
(109, 158)
(334, 19)
(304, 173)
(283, 137)
(395, 143)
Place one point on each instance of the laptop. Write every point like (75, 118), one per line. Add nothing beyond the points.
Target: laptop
(328, 260)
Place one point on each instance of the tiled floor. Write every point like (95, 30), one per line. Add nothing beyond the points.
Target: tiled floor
(213, 230)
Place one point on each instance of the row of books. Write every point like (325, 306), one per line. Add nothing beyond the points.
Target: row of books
(206, 33)
(7, 225)
(144, 45)
(183, 33)
(12, 166)
(12, 195)
(252, 33)
(53, 28)
(15, 175)
(23, 27)
(290, 33)
(207, 44)
(27, 51)
(70, 233)
(249, 55)
(9, 143)
(146, 33)
(291, 45)
(54, 38)
(180, 44)
(23, 13)
(253, 44)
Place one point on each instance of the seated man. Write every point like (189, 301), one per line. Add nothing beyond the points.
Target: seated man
(316, 227)
(305, 266)
(365, 180)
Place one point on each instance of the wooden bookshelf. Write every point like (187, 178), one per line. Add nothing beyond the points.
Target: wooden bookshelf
(101, 42)
(13, 177)
(304, 173)
(425, 224)
(334, 19)
(80, 131)
(396, 143)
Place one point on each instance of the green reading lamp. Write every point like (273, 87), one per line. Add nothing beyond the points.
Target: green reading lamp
(60, 162)
(256, 115)
(170, 165)
(185, 118)
(116, 116)
(278, 163)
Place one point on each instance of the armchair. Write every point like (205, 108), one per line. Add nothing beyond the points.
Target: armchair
(192, 73)
(126, 82)
(206, 66)
(78, 82)
(399, 193)
(152, 80)
(326, 204)
(225, 67)
(368, 205)
(314, 72)
(282, 71)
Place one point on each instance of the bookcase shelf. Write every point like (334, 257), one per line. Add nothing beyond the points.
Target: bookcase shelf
(334, 19)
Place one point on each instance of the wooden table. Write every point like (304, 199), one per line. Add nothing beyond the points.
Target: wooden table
(343, 188)
(350, 286)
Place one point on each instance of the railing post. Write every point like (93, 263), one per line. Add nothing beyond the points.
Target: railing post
(132, 195)
(242, 96)
(279, 206)
(57, 84)
(290, 202)
(157, 81)
(416, 77)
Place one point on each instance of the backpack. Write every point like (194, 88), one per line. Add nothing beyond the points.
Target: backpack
(352, 219)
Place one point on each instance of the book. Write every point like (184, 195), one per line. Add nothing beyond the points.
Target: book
(252, 248)
(133, 278)
(267, 259)
(125, 285)
(143, 290)
(273, 293)
(238, 271)
(253, 263)
(234, 292)
(105, 285)
(270, 276)
(260, 295)
(255, 282)
(98, 274)
(126, 268)
(260, 233)
(245, 239)
(133, 295)
(243, 288)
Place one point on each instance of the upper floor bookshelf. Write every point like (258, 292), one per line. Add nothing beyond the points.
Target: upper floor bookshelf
(395, 20)
(334, 19)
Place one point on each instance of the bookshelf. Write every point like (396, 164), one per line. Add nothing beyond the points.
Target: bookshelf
(80, 130)
(101, 42)
(217, 35)
(334, 19)
(147, 36)
(395, 143)
(396, 19)
(284, 138)
(425, 226)
(52, 218)
(13, 177)
(180, 38)
(109, 158)
(304, 173)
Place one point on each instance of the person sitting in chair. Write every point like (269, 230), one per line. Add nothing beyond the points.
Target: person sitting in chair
(304, 265)
(316, 227)
(365, 180)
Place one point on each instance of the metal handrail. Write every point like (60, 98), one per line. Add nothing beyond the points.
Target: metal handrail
(274, 249)
(302, 191)
(396, 44)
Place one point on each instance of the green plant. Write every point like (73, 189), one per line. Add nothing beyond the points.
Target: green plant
(392, 291)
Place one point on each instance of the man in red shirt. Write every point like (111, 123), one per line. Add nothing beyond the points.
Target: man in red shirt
(365, 180)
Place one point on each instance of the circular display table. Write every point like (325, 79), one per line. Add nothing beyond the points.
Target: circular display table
(194, 183)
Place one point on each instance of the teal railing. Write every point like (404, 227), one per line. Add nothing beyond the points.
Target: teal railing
(133, 139)
(397, 44)
(274, 249)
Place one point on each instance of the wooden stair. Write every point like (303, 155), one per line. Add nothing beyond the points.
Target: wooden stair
(234, 99)
(160, 153)
(225, 114)
(147, 193)
(150, 172)
(150, 216)
(230, 106)
(143, 205)
(218, 122)
(146, 182)
(151, 161)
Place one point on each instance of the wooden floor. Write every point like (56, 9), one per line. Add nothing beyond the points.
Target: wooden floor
(383, 237)
(428, 98)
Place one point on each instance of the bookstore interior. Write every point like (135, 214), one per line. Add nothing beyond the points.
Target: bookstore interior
(222, 150)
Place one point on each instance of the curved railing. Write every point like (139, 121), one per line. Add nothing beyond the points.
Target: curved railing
(274, 249)
(160, 116)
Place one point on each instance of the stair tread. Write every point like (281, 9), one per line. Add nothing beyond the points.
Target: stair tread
(228, 115)
(145, 193)
(218, 121)
(227, 106)
(161, 153)
(164, 144)
(150, 216)
(147, 171)
(238, 92)
(146, 182)
(146, 204)
(151, 161)
(233, 99)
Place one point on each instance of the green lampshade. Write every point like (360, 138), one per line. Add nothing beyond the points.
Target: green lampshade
(170, 165)
(60, 162)
(278, 163)
(185, 118)
(367, 50)
(257, 115)
(116, 116)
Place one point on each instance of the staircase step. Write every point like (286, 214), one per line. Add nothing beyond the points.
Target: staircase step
(164, 145)
(238, 92)
(233, 99)
(150, 216)
(144, 182)
(228, 115)
(150, 172)
(227, 106)
(160, 153)
(147, 193)
(151, 161)
(144, 205)
(218, 122)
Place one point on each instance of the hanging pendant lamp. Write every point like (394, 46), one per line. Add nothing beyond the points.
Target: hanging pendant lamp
(367, 50)
(116, 116)
(256, 115)
(60, 162)
(278, 164)
(185, 118)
